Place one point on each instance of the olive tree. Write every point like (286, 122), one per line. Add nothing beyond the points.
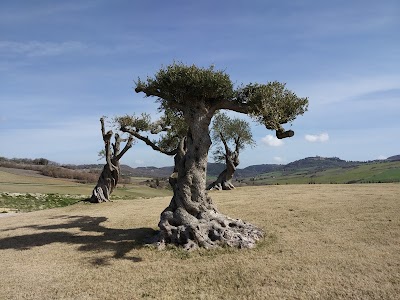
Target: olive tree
(232, 133)
(109, 177)
(195, 94)
(170, 130)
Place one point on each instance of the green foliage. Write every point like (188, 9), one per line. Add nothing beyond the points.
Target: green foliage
(234, 131)
(176, 127)
(180, 87)
(138, 123)
(184, 84)
(170, 128)
(271, 104)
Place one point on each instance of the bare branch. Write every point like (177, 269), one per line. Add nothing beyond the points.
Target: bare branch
(227, 150)
(106, 138)
(128, 145)
(147, 141)
(237, 143)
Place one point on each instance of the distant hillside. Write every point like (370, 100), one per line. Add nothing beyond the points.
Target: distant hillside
(255, 170)
(319, 162)
(363, 172)
(394, 158)
(307, 170)
(213, 169)
(308, 165)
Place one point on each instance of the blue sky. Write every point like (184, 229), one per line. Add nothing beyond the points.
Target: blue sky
(64, 64)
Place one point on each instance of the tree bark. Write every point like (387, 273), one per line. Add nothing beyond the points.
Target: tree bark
(109, 177)
(191, 220)
(106, 183)
(224, 180)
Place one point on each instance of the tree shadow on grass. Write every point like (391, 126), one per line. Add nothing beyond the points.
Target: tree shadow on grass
(92, 237)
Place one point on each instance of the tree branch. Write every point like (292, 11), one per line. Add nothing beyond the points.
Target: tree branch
(156, 93)
(126, 148)
(281, 133)
(227, 150)
(233, 105)
(147, 141)
(106, 138)
(237, 148)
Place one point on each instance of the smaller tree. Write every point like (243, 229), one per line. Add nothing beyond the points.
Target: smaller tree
(229, 133)
(170, 129)
(112, 170)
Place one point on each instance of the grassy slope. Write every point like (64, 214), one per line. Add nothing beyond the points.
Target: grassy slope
(373, 172)
(26, 183)
(322, 242)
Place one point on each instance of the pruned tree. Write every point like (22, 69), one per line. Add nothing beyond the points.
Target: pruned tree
(170, 129)
(109, 177)
(195, 94)
(230, 135)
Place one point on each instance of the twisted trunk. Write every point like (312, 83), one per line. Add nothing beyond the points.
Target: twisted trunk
(224, 180)
(106, 183)
(191, 220)
(109, 177)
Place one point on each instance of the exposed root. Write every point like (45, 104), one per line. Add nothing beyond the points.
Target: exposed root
(209, 230)
(98, 195)
(219, 186)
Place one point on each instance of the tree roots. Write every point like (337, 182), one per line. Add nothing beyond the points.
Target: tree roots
(209, 230)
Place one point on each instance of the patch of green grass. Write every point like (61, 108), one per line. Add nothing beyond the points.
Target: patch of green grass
(25, 202)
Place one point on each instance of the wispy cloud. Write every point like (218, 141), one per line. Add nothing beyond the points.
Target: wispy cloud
(323, 137)
(351, 88)
(279, 159)
(37, 48)
(37, 11)
(382, 157)
(271, 141)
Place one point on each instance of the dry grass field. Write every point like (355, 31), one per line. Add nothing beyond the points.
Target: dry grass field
(322, 242)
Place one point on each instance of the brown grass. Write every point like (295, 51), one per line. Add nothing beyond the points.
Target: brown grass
(322, 242)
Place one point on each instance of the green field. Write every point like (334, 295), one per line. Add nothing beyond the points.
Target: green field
(377, 172)
(23, 190)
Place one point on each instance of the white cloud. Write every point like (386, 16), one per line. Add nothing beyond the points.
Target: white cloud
(278, 159)
(271, 141)
(323, 137)
(138, 162)
(382, 157)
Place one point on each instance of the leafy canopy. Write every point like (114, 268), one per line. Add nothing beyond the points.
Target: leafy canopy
(234, 132)
(182, 84)
(271, 104)
(179, 87)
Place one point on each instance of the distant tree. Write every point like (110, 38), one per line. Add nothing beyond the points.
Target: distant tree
(170, 130)
(41, 161)
(195, 94)
(110, 175)
(230, 135)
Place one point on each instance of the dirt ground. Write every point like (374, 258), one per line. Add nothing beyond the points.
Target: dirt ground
(321, 242)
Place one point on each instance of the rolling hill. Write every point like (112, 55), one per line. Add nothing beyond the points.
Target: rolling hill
(307, 170)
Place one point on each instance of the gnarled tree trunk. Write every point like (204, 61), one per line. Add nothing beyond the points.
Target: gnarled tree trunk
(109, 177)
(224, 180)
(106, 183)
(191, 220)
